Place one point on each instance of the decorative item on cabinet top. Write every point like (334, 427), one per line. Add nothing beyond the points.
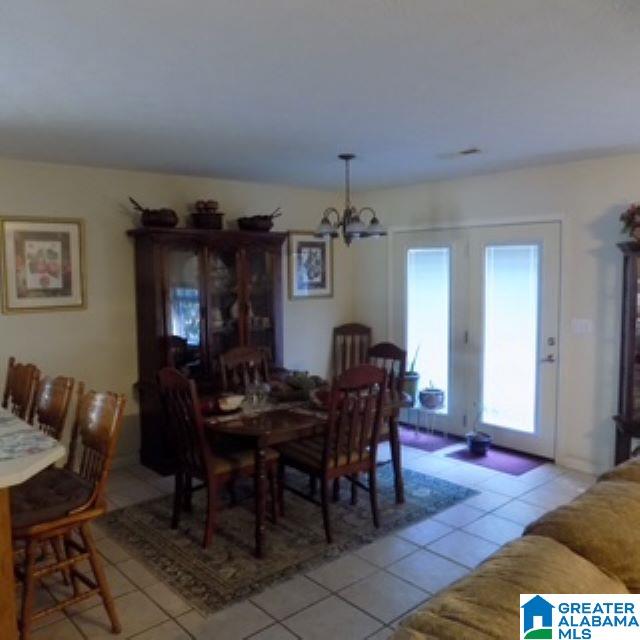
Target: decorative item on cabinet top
(155, 217)
(631, 220)
(206, 215)
(261, 222)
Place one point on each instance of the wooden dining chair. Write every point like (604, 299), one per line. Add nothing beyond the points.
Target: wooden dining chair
(393, 360)
(20, 387)
(349, 445)
(350, 344)
(195, 454)
(7, 382)
(60, 503)
(51, 405)
(243, 366)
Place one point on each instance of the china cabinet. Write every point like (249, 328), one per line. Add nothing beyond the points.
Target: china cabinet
(628, 419)
(200, 293)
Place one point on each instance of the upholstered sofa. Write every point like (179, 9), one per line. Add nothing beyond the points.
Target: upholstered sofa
(591, 545)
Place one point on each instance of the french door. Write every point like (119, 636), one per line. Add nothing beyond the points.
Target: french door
(478, 309)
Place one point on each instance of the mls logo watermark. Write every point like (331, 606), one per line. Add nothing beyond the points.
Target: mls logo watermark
(579, 616)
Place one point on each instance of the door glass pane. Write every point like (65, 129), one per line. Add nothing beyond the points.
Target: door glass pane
(223, 305)
(510, 336)
(261, 277)
(184, 295)
(428, 284)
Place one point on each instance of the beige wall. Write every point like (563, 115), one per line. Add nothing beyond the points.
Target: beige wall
(98, 345)
(588, 197)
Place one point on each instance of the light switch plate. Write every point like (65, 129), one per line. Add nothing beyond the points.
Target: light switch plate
(581, 326)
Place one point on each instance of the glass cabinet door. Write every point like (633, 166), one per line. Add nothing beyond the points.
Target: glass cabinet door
(634, 339)
(224, 303)
(260, 290)
(183, 299)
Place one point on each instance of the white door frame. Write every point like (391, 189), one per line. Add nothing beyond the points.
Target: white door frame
(392, 284)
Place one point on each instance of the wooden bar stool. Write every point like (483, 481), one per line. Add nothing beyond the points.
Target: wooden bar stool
(61, 503)
(51, 405)
(20, 388)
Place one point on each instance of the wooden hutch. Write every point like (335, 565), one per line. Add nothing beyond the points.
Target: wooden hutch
(628, 418)
(199, 293)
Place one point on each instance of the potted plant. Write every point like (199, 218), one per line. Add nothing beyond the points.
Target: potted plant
(411, 377)
(631, 221)
(478, 442)
(431, 397)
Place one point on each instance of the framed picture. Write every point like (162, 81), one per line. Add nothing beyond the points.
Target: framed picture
(42, 264)
(310, 265)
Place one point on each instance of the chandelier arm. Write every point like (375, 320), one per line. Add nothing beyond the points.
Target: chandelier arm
(327, 214)
(368, 210)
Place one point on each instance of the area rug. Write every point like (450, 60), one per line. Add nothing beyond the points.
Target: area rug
(228, 571)
(426, 441)
(499, 459)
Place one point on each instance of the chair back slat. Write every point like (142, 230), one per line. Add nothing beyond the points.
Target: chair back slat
(243, 366)
(184, 421)
(20, 388)
(354, 416)
(51, 406)
(98, 423)
(350, 345)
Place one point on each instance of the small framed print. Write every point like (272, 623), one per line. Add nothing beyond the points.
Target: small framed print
(42, 264)
(310, 265)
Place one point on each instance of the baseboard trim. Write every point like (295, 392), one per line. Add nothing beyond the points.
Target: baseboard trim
(125, 461)
(578, 464)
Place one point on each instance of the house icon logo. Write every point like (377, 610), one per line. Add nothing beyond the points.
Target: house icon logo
(537, 619)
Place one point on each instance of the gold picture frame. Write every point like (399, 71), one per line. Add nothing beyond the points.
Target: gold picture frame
(310, 265)
(43, 264)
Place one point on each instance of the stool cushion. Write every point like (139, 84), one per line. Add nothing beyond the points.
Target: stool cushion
(47, 496)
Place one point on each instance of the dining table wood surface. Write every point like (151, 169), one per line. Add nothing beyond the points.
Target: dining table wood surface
(268, 424)
(24, 451)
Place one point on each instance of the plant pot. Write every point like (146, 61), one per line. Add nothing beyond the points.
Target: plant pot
(432, 399)
(478, 443)
(411, 379)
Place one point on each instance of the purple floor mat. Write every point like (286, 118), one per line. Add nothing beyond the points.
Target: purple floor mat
(431, 441)
(499, 459)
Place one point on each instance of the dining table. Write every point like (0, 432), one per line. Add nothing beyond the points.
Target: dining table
(24, 451)
(267, 424)
(264, 425)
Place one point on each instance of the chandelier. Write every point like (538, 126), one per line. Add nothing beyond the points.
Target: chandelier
(350, 224)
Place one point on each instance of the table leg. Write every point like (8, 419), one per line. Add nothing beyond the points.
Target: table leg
(394, 442)
(260, 481)
(7, 587)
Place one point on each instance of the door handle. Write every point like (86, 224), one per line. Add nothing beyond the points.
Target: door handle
(549, 358)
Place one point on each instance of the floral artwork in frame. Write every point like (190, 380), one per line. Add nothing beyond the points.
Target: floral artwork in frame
(310, 265)
(42, 264)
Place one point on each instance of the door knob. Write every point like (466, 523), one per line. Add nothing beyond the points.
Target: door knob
(549, 358)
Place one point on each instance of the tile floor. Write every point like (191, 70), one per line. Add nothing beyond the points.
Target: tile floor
(360, 595)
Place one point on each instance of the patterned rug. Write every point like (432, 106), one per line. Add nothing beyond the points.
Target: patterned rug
(228, 571)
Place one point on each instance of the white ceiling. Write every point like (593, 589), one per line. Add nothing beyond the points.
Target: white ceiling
(273, 89)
